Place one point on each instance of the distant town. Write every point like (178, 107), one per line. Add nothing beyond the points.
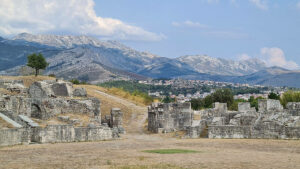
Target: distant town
(201, 89)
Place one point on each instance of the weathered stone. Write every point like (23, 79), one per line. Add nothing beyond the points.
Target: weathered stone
(79, 92)
(63, 118)
(269, 105)
(116, 120)
(271, 121)
(170, 116)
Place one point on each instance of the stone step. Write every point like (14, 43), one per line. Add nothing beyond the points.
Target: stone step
(28, 121)
(8, 120)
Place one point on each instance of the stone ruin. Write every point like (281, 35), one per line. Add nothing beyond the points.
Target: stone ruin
(22, 108)
(169, 117)
(271, 120)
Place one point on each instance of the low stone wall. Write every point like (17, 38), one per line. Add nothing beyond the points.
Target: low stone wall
(14, 136)
(264, 132)
(229, 131)
(68, 133)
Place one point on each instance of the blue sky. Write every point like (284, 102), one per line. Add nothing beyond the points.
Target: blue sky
(233, 29)
(222, 28)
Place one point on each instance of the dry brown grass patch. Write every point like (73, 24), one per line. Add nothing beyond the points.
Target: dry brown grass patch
(4, 124)
(28, 80)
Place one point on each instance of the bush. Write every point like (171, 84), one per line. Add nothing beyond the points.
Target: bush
(75, 81)
(52, 75)
(290, 96)
(221, 95)
(274, 96)
(235, 105)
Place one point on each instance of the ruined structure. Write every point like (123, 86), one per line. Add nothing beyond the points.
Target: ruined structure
(169, 117)
(24, 108)
(270, 121)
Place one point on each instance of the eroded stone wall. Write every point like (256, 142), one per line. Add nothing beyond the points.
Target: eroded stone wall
(169, 117)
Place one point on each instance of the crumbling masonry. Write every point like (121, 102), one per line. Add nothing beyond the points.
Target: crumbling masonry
(270, 121)
(22, 107)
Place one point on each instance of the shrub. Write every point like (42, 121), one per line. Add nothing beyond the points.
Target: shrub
(290, 96)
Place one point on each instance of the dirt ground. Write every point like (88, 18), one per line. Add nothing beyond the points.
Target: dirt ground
(127, 152)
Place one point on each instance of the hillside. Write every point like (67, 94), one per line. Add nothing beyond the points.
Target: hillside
(95, 61)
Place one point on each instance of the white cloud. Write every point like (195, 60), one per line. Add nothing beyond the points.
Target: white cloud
(189, 23)
(65, 16)
(261, 4)
(298, 5)
(276, 57)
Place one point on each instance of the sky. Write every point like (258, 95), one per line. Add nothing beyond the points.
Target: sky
(230, 29)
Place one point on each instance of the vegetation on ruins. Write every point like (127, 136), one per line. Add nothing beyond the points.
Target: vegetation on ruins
(37, 62)
(290, 96)
(77, 82)
(221, 95)
(168, 99)
(274, 96)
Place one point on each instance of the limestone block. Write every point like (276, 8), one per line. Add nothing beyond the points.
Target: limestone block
(269, 105)
(63, 118)
(79, 92)
(218, 121)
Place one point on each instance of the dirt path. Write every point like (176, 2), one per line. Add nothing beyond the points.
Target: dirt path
(138, 113)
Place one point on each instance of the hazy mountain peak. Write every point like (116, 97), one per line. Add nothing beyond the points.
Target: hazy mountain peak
(220, 66)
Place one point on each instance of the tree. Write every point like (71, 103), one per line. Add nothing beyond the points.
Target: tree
(223, 96)
(37, 62)
(274, 96)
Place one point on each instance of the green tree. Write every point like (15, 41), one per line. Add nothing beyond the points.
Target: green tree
(274, 96)
(235, 105)
(37, 62)
(254, 102)
(223, 96)
(168, 99)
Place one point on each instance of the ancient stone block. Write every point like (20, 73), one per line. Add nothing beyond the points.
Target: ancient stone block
(269, 105)
(116, 119)
(79, 92)
(170, 116)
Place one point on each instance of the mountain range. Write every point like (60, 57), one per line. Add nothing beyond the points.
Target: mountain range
(89, 59)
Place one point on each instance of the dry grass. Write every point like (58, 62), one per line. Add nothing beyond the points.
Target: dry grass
(4, 91)
(119, 93)
(128, 153)
(4, 124)
(84, 120)
(28, 80)
(106, 103)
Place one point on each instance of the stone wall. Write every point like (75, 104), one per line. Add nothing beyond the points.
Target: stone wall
(265, 132)
(269, 106)
(14, 136)
(169, 117)
(270, 122)
(69, 133)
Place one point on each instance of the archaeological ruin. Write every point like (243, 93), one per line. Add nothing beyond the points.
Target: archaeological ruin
(52, 111)
(271, 121)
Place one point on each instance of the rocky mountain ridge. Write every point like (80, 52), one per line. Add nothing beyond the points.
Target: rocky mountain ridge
(89, 59)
